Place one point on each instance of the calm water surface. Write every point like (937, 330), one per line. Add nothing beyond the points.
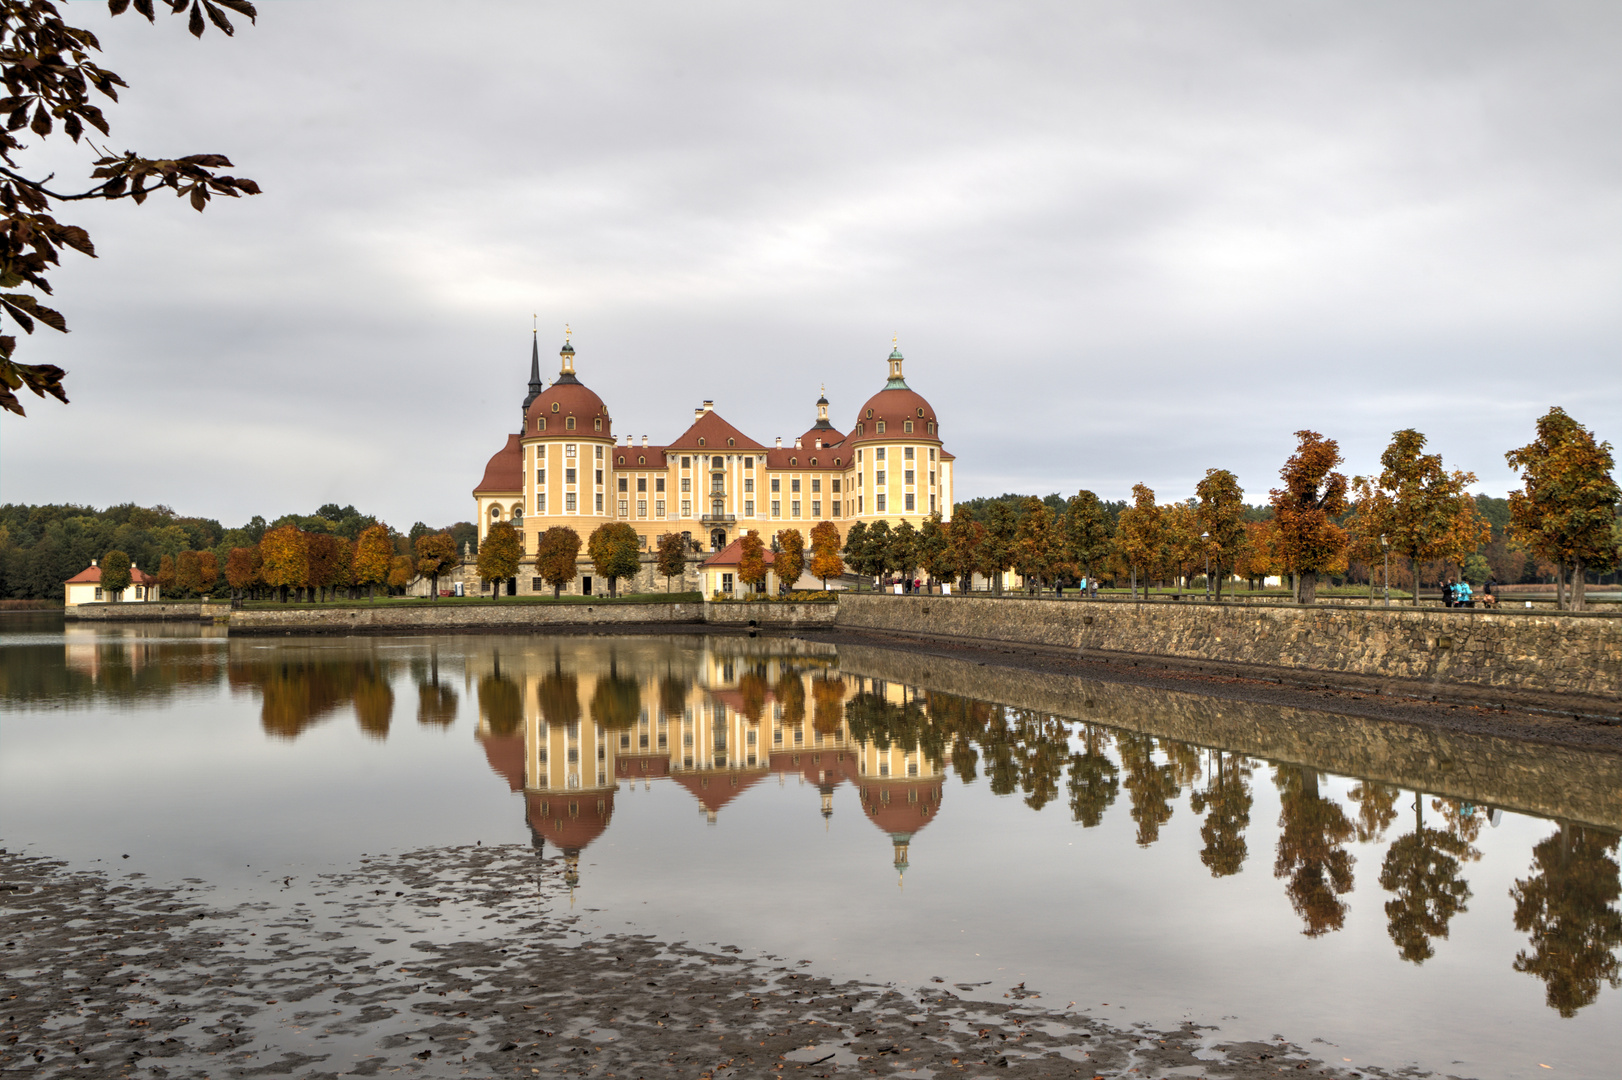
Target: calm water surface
(881, 816)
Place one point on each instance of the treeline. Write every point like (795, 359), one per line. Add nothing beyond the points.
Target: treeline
(1411, 523)
(42, 546)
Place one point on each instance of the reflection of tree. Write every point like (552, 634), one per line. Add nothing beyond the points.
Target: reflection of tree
(501, 702)
(374, 702)
(1376, 809)
(1228, 798)
(1044, 748)
(1566, 905)
(616, 702)
(1151, 787)
(436, 701)
(1463, 819)
(673, 691)
(790, 693)
(964, 759)
(297, 693)
(559, 696)
(827, 705)
(1312, 830)
(1094, 779)
(1422, 868)
(752, 689)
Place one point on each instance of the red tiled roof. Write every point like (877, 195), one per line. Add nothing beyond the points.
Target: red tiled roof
(894, 407)
(799, 457)
(641, 766)
(572, 399)
(630, 457)
(897, 815)
(504, 475)
(715, 432)
(830, 436)
(91, 575)
(732, 554)
(570, 831)
(713, 790)
(505, 753)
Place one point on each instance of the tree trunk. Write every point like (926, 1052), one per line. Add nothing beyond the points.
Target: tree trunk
(1307, 588)
(1134, 583)
(1219, 582)
(1578, 585)
(1560, 586)
(613, 587)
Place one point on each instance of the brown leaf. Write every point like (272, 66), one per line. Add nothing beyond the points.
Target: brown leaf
(217, 17)
(42, 122)
(196, 24)
(199, 197)
(118, 7)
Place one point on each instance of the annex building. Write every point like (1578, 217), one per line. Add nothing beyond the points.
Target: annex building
(568, 466)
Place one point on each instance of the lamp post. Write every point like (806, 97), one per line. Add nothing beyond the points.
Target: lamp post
(1385, 548)
(1205, 542)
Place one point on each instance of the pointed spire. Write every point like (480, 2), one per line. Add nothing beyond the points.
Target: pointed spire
(536, 385)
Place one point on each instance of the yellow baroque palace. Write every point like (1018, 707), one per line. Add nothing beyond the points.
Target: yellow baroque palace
(566, 466)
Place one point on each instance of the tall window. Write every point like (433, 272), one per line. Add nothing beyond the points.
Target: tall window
(686, 483)
(568, 502)
(658, 483)
(659, 508)
(906, 452)
(568, 476)
(816, 483)
(540, 476)
(908, 497)
(836, 508)
(878, 477)
(794, 508)
(569, 423)
(641, 484)
(777, 484)
(686, 508)
(748, 485)
(816, 508)
(794, 484)
(599, 506)
(717, 508)
(717, 483)
(908, 476)
(749, 508)
(878, 503)
(625, 508)
(642, 508)
(777, 509)
(879, 453)
(625, 483)
(568, 449)
(599, 453)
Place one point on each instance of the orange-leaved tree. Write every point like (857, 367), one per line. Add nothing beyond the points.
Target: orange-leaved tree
(790, 558)
(1221, 514)
(965, 540)
(825, 545)
(286, 559)
(1566, 510)
(1313, 495)
(1089, 532)
(373, 554)
(242, 569)
(499, 554)
(1258, 554)
(187, 577)
(436, 553)
(672, 557)
(1038, 544)
(208, 571)
(752, 560)
(557, 555)
(166, 574)
(326, 561)
(1139, 536)
(402, 572)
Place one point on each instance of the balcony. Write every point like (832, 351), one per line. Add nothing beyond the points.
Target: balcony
(718, 519)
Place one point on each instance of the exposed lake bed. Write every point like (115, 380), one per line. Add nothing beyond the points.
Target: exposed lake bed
(1216, 873)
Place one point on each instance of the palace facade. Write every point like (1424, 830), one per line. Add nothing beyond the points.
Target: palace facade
(566, 465)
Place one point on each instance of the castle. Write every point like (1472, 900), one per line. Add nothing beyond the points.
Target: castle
(566, 466)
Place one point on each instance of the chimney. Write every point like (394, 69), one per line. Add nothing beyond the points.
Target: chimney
(93, 562)
(796, 444)
(698, 413)
(644, 440)
(819, 444)
(780, 442)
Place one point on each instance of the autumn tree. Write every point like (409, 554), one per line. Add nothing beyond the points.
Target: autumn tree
(115, 574)
(373, 553)
(402, 572)
(616, 700)
(1421, 509)
(1566, 510)
(1422, 869)
(166, 574)
(188, 578)
(752, 560)
(1568, 906)
(932, 548)
(326, 563)
(1038, 545)
(825, 545)
(1182, 553)
(997, 553)
(1094, 781)
(1139, 536)
(436, 553)
(1304, 509)
(790, 562)
(557, 556)
(1221, 518)
(208, 571)
(1258, 555)
(50, 71)
(1226, 803)
(671, 560)
(965, 539)
(1312, 835)
(903, 551)
(616, 552)
(242, 569)
(1150, 786)
(498, 554)
(285, 558)
(1088, 531)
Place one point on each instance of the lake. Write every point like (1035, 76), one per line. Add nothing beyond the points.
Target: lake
(1401, 897)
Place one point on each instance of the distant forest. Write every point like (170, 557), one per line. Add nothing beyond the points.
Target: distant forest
(42, 546)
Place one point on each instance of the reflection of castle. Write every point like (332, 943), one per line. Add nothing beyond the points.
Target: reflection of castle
(715, 721)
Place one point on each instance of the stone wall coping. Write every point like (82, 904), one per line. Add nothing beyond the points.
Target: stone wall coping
(1242, 605)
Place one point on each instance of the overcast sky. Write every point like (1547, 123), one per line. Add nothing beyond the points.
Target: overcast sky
(1119, 242)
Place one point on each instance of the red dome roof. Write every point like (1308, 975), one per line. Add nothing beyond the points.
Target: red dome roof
(572, 398)
(569, 819)
(894, 406)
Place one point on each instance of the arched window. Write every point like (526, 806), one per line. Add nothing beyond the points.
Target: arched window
(907, 427)
(540, 423)
(813, 461)
(793, 461)
(836, 461)
(597, 424)
(881, 427)
(859, 428)
(495, 513)
(622, 459)
(701, 440)
(641, 459)
(518, 510)
(732, 442)
(932, 427)
(569, 423)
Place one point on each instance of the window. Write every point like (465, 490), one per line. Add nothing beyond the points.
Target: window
(907, 427)
(794, 508)
(858, 504)
(642, 508)
(599, 453)
(748, 485)
(686, 463)
(658, 508)
(881, 427)
(569, 423)
(816, 483)
(749, 463)
(879, 453)
(717, 508)
(599, 506)
(931, 477)
(625, 483)
(554, 406)
(568, 449)
(641, 483)
(701, 440)
(686, 508)
(777, 485)
(621, 459)
(878, 503)
(836, 485)
(878, 477)
(495, 513)
(931, 427)
(599, 477)
(858, 457)
(536, 585)
(932, 504)
(568, 476)
(625, 508)
(717, 483)
(906, 452)
(777, 508)
(98, 592)
(931, 453)
(794, 484)
(540, 423)
(716, 462)
(816, 508)
(140, 592)
(597, 424)
(907, 476)
(749, 508)
(568, 502)
(658, 483)
(909, 502)
(641, 459)
(540, 476)
(870, 414)
(813, 461)
(686, 484)
(793, 461)
(836, 508)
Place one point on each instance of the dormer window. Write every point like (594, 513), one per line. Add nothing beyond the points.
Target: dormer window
(881, 427)
(870, 414)
(569, 423)
(836, 461)
(932, 427)
(641, 460)
(907, 427)
(920, 412)
(793, 461)
(732, 442)
(813, 461)
(622, 459)
(701, 440)
(597, 424)
(540, 423)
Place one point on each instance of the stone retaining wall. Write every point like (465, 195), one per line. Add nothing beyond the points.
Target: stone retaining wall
(1551, 781)
(1542, 653)
(141, 611)
(451, 616)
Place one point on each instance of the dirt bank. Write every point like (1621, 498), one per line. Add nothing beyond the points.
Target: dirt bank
(444, 963)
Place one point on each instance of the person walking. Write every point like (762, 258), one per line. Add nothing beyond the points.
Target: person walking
(1447, 592)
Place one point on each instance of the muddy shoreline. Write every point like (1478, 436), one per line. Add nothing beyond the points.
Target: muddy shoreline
(445, 962)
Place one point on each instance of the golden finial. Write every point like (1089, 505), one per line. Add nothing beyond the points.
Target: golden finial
(566, 331)
(535, 324)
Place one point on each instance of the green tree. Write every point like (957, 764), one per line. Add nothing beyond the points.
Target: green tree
(557, 556)
(790, 561)
(436, 553)
(672, 557)
(1566, 511)
(498, 555)
(1305, 508)
(932, 548)
(1089, 531)
(373, 554)
(903, 550)
(825, 545)
(1139, 536)
(1421, 509)
(997, 553)
(965, 538)
(856, 547)
(616, 552)
(1567, 904)
(873, 558)
(115, 574)
(1222, 520)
